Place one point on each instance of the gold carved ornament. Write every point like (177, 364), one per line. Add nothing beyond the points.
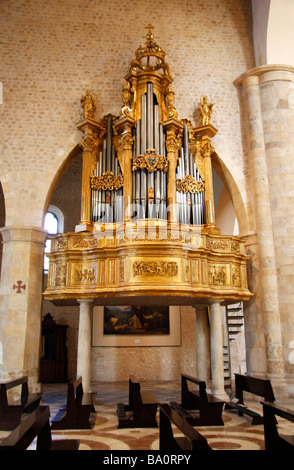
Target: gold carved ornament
(189, 184)
(205, 110)
(151, 49)
(107, 182)
(151, 162)
(88, 105)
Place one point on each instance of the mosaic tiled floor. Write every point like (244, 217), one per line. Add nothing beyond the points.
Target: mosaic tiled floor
(236, 434)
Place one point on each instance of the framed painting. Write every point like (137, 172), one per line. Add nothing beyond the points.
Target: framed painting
(136, 326)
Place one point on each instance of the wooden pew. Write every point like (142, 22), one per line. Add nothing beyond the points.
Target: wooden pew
(141, 410)
(209, 408)
(76, 413)
(36, 425)
(191, 439)
(256, 386)
(10, 413)
(273, 439)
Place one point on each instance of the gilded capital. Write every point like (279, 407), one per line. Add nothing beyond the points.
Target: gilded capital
(89, 143)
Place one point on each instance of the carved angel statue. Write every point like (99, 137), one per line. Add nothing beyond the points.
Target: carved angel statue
(88, 105)
(126, 98)
(205, 111)
(170, 98)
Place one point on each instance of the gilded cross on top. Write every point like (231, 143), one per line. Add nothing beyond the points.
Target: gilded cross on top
(149, 26)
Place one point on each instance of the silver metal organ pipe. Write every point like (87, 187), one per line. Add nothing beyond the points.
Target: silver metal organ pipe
(191, 205)
(108, 142)
(137, 152)
(150, 116)
(156, 128)
(157, 176)
(107, 206)
(143, 151)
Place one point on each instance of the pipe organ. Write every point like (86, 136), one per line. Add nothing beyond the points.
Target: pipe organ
(147, 233)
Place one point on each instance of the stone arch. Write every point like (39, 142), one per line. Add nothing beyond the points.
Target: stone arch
(233, 191)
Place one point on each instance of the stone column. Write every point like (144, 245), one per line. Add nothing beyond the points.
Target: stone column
(84, 343)
(216, 352)
(261, 113)
(20, 302)
(201, 343)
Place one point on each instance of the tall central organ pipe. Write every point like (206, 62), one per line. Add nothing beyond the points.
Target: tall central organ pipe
(149, 136)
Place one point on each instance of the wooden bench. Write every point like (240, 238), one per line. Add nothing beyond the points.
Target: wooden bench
(209, 408)
(10, 413)
(141, 410)
(76, 413)
(256, 386)
(191, 439)
(36, 425)
(273, 439)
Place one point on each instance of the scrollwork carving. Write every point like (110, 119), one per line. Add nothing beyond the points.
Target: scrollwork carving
(151, 162)
(107, 181)
(189, 184)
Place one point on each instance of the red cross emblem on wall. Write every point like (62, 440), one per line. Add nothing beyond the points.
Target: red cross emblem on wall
(19, 286)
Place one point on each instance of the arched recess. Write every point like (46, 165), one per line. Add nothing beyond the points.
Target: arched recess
(75, 153)
(233, 192)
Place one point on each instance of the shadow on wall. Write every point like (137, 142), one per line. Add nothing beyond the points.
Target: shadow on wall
(2, 224)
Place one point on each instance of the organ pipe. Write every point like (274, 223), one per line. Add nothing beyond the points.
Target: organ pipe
(106, 183)
(190, 191)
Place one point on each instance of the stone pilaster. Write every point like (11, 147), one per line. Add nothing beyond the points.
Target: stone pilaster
(268, 99)
(20, 302)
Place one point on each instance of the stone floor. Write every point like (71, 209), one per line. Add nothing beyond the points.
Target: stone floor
(236, 434)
